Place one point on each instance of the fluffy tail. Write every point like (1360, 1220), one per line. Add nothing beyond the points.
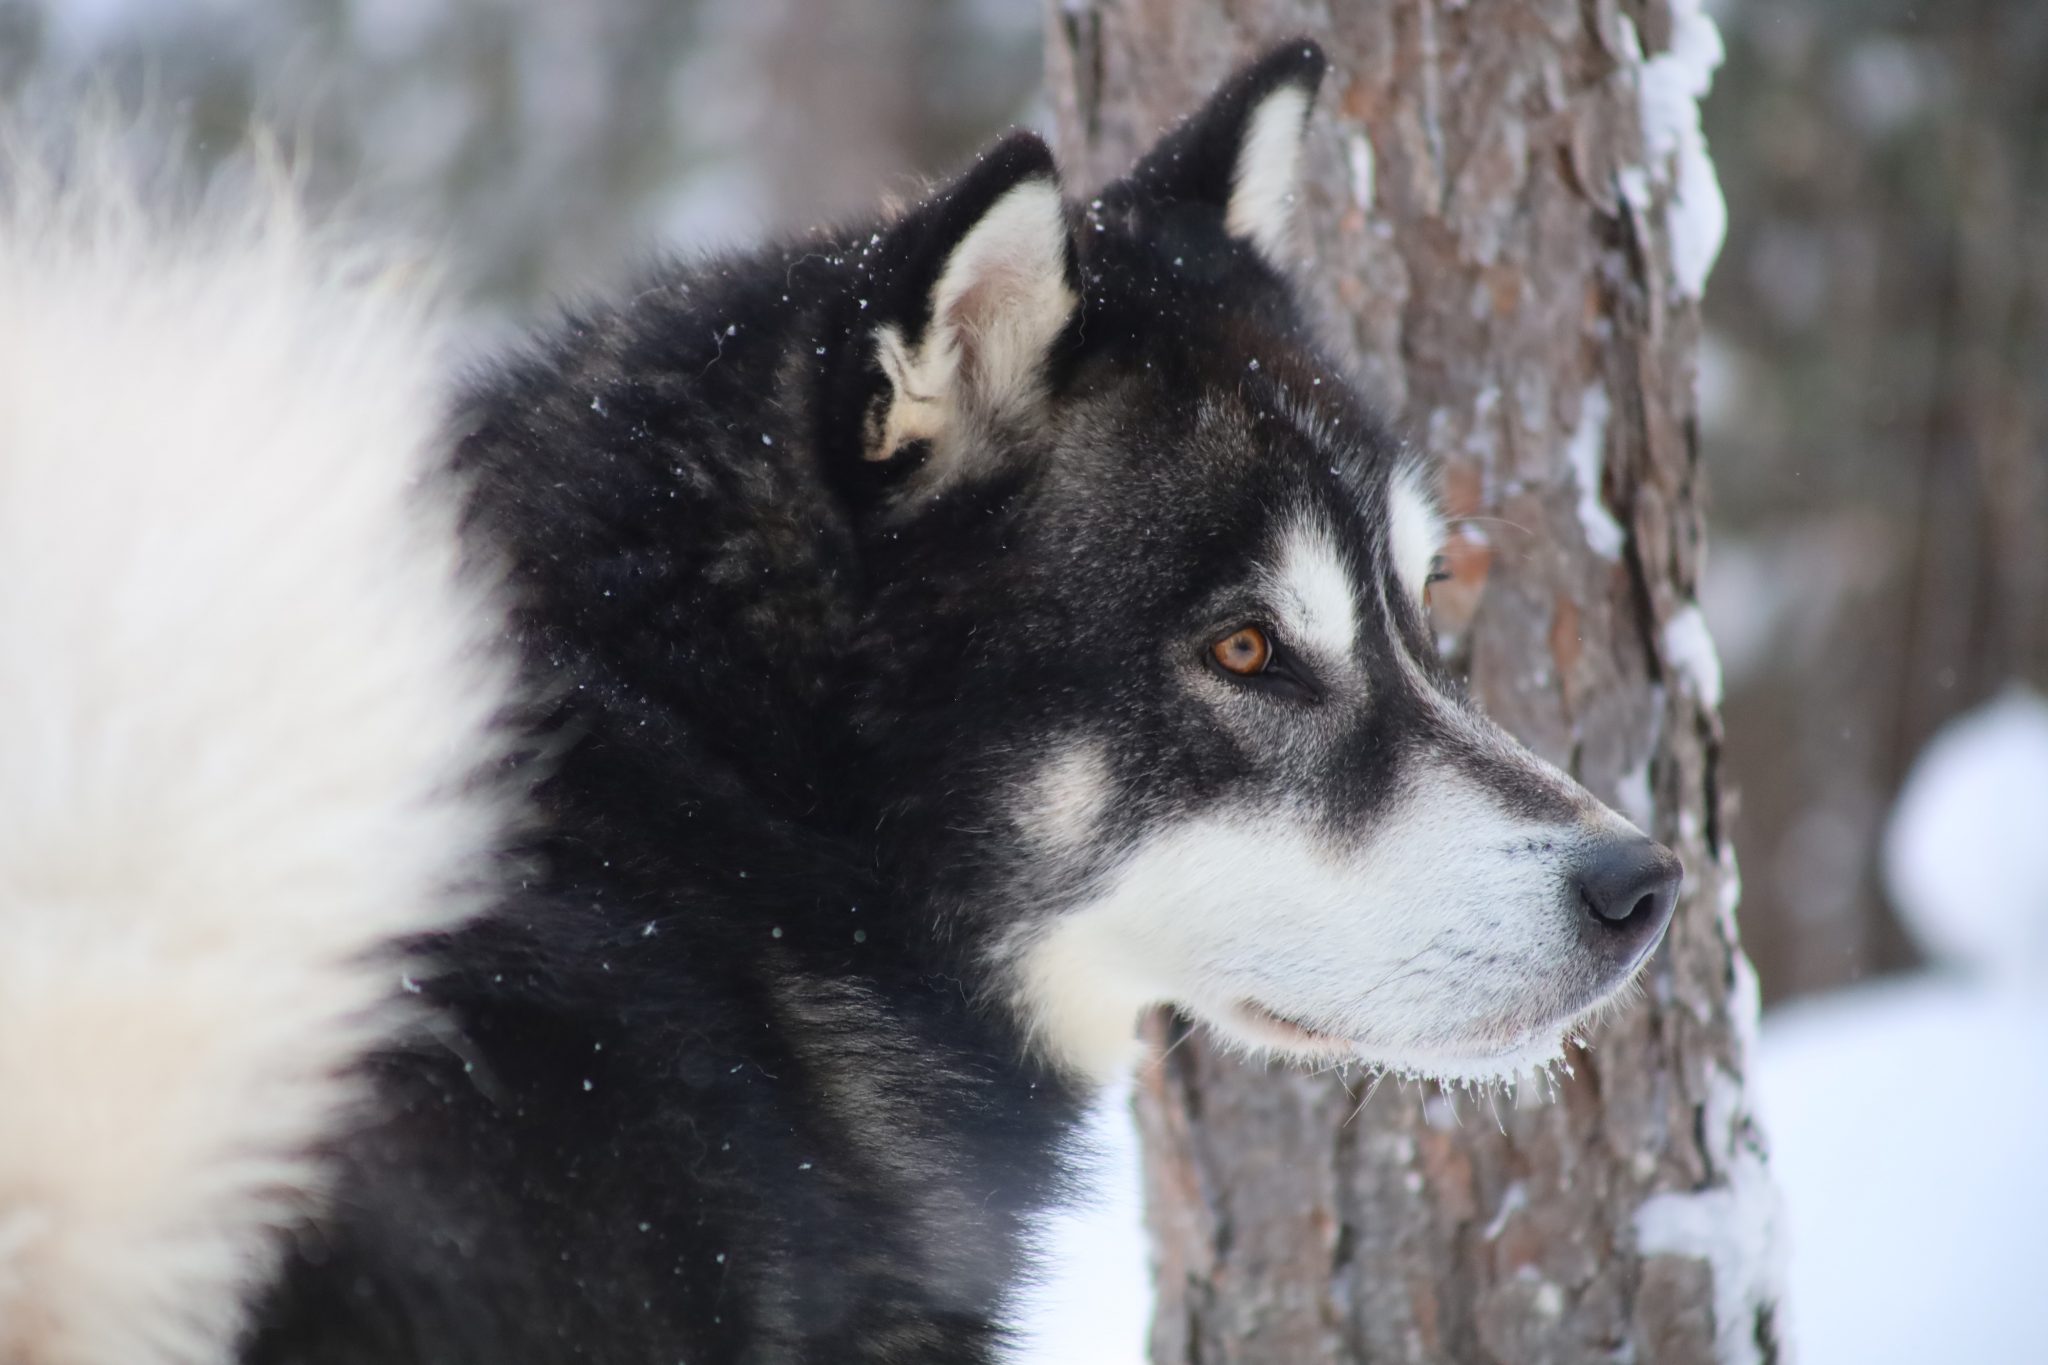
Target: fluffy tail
(246, 691)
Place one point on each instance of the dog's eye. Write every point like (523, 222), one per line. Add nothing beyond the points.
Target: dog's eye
(1439, 570)
(1253, 657)
(1245, 651)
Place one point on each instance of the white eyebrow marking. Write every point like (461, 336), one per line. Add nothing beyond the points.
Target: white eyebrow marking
(1415, 527)
(1312, 591)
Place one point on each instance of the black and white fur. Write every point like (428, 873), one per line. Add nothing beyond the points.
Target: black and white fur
(876, 772)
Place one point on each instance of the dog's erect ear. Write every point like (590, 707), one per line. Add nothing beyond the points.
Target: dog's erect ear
(1242, 151)
(982, 288)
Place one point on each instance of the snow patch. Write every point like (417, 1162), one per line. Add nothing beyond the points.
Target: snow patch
(1587, 454)
(1634, 183)
(1671, 85)
(1733, 1226)
(1633, 796)
(1966, 858)
(1512, 1201)
(1689, 649)
(1358, 152)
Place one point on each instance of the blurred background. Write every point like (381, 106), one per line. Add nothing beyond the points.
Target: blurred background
(1874, 412)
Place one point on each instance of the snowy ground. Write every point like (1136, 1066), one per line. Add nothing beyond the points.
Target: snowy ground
(1907, 1123)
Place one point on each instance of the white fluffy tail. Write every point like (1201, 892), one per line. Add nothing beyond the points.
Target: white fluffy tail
(246, 689)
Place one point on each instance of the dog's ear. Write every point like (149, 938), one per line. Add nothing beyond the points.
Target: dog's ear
(981, 286)
(1241, 152)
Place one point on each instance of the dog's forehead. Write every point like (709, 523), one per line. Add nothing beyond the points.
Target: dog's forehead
(1371, 501)
(1340, 509)
(1317, 478)
(1231, 441)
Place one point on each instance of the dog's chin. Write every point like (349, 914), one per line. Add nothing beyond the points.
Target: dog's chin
(1482, 1061)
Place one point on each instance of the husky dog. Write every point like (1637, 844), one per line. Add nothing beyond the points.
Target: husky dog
(654, 874)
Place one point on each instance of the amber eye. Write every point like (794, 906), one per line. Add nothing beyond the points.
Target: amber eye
(1245, 651)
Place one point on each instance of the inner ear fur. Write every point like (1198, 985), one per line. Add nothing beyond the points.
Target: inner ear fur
(1241, 152)
(991, 273)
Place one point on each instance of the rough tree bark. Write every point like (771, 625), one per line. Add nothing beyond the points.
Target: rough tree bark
(1506, 220)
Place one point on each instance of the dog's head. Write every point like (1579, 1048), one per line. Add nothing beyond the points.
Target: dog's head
(1151, 643)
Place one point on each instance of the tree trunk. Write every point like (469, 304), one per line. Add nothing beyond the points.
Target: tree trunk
(1509, 230)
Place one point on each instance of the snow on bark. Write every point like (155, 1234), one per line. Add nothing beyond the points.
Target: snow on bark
(1689, 648)
(1671, 85)
(1587, 454)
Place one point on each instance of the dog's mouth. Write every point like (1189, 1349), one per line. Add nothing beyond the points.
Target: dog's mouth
(1277, 1030)
(1492, 1053)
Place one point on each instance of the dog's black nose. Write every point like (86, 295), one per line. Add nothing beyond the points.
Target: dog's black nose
(1629, 887)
